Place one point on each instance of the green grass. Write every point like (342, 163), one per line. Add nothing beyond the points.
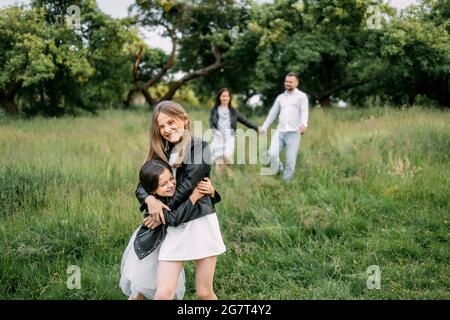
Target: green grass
(371, 188)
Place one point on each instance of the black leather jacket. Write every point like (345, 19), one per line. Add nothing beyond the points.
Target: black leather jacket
(147, 240)
(235, 116)
(195, 166)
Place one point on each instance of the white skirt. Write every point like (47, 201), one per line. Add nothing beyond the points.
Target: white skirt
(139, 276)
(193, 240)
(222, 145)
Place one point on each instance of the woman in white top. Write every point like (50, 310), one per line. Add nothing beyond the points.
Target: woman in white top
(223, 121)
(199, 240)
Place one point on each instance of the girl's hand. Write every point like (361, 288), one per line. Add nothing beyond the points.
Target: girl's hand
(206, 187)
(196, 195)
(150, 223)
(155, 209)
(303, 129)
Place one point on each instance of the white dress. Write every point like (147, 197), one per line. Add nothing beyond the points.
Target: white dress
(223, 139)
(192, 240)
(139, 276)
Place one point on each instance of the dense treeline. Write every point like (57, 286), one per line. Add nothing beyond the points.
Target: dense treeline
(352, 50)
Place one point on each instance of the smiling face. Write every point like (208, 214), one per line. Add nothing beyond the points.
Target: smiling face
(225, 98)
(290, 83)
(170, 128)
(166, 184)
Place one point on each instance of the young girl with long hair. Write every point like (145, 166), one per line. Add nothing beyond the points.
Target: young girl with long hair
(140, 260)
(199, 240)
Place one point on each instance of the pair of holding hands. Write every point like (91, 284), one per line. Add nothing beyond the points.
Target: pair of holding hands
(155, 207)
(302, 129)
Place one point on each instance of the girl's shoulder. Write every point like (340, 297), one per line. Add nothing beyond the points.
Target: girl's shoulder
(232, 109)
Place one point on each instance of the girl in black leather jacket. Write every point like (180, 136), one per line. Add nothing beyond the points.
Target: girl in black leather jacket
(140, 260)
(199, 240)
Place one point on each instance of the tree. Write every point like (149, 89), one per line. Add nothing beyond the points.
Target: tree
(47, 68)
(240, 73)
(327, 42)
(417, 50)
(147, 64)
(29, 56)
(414, 56)
(201, 33)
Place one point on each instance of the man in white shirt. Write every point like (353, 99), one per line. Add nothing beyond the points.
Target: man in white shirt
(292, 107)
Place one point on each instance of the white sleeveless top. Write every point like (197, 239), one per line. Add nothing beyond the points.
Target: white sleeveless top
(193, 240)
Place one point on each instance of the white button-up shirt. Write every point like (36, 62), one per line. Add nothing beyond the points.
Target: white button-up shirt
(293, 110)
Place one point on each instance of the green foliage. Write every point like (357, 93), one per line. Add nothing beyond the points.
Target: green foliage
(326, 42)
(24, 50)
(338, 54)
(239, 73)
(47, 68)
(415, 57)
(418, 53)
(56, 70)
(204, 33)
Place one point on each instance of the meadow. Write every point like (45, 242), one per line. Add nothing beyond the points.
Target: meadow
(372, 188)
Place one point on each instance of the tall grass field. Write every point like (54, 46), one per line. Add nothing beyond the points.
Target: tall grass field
(371, 192)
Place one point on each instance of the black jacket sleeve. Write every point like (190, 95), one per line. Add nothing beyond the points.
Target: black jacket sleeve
(212, 123)
(141, 194)
(217, 198)
(185, 212)
(182, 214)
(246, 122)
(197, 165)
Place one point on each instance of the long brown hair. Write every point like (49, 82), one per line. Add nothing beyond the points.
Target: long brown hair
(218, 102)
(150, 172)
(158, 148)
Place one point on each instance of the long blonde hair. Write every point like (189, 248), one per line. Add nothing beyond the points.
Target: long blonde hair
(158, 145)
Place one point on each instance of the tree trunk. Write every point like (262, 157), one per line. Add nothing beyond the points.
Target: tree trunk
(195, 74)
(411, 99)
(325, 97)
(327, 71)
(130, 96)
(443, 93)
(177, 84)
(143, 87)
(150, 100)
(7, 98)
(325, 102)
(9, 105)
(129, 99)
